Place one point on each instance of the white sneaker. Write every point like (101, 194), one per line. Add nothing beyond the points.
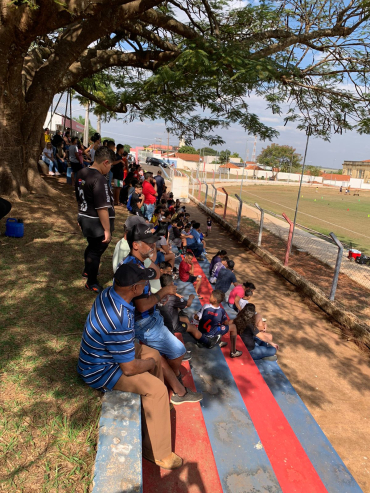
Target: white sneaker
(51, 173)
(57, 173)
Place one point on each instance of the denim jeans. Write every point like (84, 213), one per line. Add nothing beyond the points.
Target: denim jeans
(261, 350)
(149, 211)
(52, 164)
(196, 248)
(152, 332)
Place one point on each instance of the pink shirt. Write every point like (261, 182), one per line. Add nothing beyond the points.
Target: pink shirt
(237, 291)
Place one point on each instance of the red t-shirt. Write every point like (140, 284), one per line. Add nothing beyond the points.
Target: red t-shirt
(149, 193)
(184, 270)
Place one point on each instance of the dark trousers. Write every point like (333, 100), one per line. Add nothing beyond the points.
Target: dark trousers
(5, 207)
(94, 250)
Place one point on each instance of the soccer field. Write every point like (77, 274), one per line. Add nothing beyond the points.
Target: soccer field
(325, 210)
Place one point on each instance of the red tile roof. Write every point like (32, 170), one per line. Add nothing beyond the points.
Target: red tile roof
(187, 157)
(230, 166)
(335, 177)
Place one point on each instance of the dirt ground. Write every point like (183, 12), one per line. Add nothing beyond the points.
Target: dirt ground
(329, 373)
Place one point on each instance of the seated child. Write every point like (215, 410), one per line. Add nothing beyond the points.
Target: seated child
(226, 277)
(186, 272)
(170, 307)
(240, 302)
(165, 268)
(213, 320)
(217, 268)
(245, 325)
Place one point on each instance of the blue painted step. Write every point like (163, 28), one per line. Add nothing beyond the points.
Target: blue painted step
(242, 463)
(324, 458)
(118, 463)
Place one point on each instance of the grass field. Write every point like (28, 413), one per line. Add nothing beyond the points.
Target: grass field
(326, 210)
(48, 416)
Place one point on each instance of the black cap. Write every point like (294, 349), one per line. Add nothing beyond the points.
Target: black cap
(129, 274)
(142, 232)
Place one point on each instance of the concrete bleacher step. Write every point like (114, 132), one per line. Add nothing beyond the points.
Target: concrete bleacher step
(324, 458)
(241, 460)
(118, 464)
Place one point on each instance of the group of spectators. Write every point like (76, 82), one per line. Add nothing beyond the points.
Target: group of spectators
(129, 341)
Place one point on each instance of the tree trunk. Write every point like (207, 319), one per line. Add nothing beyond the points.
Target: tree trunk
(21, 134)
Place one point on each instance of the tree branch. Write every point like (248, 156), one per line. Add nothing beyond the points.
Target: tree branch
(119, 108)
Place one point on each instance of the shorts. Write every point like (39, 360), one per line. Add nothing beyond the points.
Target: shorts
(160, 258)
(152, 332)
(192, 279)
(181, 328)
(76, 166)
(218, 329)
(118, 183)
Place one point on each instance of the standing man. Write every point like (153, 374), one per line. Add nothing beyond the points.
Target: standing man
(110, 360)
(95, 213)
(160, 184)
(117, 169)
(150, 194)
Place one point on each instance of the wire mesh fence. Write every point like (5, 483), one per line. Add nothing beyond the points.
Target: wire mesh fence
(313, 255)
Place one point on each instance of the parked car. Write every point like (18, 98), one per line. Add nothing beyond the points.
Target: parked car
(153, 161)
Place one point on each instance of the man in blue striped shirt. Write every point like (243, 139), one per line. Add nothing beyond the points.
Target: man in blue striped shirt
(110, 360)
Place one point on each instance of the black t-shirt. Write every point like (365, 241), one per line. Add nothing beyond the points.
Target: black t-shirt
(93, 193)
(117, 169)
(57, 140)
(170, 312)
(247, 336)
(176, 232)
(134, 201)
(160, 184)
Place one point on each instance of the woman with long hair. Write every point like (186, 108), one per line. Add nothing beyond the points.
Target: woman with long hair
(217, 258)
(245, 323)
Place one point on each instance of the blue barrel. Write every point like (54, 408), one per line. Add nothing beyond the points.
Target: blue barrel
(14, 227)
(69, 175)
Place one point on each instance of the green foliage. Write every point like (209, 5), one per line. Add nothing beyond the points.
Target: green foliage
(108, 138)
(81, 119)
(280, 156)
(224, 156)
(126, 147)
(234, 154)
(187, 150)
(207, 151)
(313, 170)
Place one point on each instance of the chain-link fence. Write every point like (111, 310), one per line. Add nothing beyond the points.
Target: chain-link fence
(313, 255)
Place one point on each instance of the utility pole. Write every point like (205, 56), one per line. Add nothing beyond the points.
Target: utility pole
(98, 125)
(70, 111)
(168, 144)
(254, 155)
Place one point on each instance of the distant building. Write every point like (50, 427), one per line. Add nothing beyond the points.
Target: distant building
(59, 122)
(357, 169)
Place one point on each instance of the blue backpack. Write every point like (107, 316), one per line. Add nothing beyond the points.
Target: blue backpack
(129, 208)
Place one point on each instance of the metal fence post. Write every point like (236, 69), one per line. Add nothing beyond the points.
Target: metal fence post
(337, 266)
(227, 198)
(291, 226)
(200, 188)
(240, 211)
(214, 199)
(193, 183)
(261, 224)
(205, 200)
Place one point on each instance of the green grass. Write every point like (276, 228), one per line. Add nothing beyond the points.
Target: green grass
(48, 416)
(324, 211)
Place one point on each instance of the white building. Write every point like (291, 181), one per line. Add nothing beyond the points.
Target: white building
(58, 122)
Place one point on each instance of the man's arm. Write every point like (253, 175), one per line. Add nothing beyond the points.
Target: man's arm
(143, 304)
(137, 366)
(190, 300)
(104, 219)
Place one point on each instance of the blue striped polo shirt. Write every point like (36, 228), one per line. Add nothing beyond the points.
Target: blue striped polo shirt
(146, 293)
(107, 340)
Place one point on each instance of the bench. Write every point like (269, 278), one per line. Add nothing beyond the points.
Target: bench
(118, 463)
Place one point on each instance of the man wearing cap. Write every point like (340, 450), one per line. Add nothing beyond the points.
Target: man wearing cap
(149, 325)
(110, 360)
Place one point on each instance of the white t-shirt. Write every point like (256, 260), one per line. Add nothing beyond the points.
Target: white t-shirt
(242, 303)
(48, 153)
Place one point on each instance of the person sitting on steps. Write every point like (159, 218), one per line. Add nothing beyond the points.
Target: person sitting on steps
(175, 321)
(245, 324)
(110, 360)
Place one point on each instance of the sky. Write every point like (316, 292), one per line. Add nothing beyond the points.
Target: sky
(350, 146)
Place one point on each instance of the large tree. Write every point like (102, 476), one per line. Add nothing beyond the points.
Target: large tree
(196, 74)
(283, 157)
